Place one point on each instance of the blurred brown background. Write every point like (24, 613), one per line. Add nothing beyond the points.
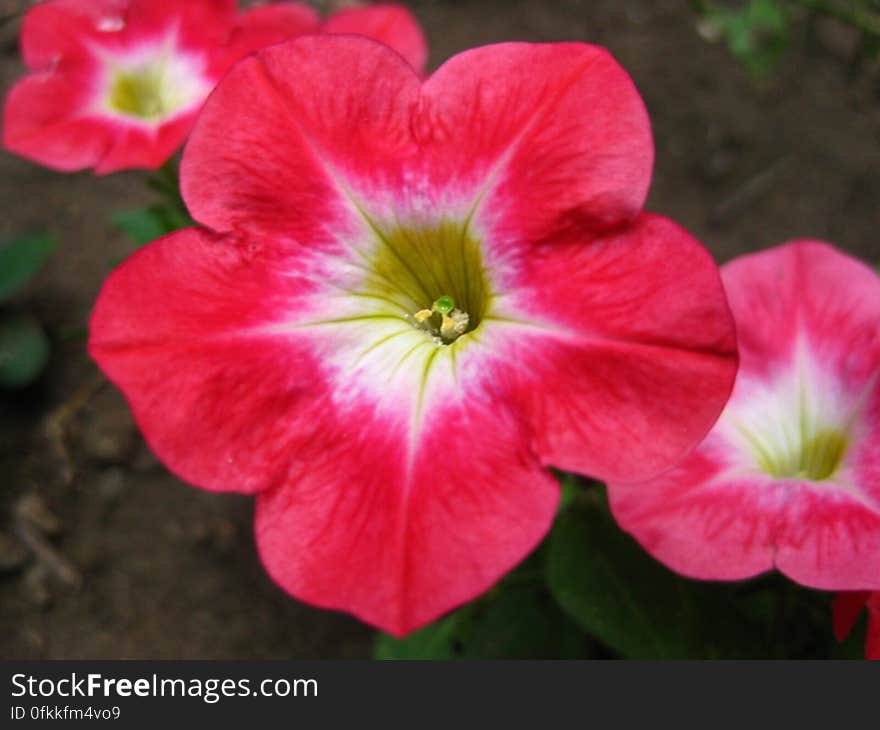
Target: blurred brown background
(104, 554)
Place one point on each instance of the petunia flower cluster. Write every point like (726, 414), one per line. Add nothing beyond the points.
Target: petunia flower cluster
(407, 299)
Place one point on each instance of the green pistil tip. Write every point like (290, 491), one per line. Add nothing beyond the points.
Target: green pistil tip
(444, 305)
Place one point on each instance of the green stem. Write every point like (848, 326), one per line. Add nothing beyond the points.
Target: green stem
(169, 172)
(166, 182)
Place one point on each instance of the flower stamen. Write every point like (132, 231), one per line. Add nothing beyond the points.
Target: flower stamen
(443, 321)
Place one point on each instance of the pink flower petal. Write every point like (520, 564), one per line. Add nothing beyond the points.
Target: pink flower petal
(393, 25)
(199, 24)
(185, 328)
(872, 644)
(62, 30)
(262, 26)
(509, 124)
(37, 123)
(846, 609)
(628, 349)
(293, 150)
(399, 534)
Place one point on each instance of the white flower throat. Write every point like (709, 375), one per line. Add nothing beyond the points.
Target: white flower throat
(798, 427)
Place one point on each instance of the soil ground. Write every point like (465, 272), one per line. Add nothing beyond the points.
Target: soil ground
(105, 554)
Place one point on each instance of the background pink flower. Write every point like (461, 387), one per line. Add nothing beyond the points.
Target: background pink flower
(117, 84)
(790, 476)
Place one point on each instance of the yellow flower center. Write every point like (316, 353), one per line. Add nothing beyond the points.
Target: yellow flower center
(798, 427)
(141, 93)
(815, 457)
(434, 275)
(156, 84)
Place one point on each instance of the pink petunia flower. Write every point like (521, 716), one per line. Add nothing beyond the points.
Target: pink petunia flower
(790, 476)
(413, 298)
(118, 84)
(846, 610)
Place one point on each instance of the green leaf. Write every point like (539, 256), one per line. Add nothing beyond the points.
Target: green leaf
(435, 641)
(517, 619)
(20, 259)
(523, 622)
(615, 591)
(603, 580)
(141, 226)
(756, 34)
(145, 225)
(24, 351)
